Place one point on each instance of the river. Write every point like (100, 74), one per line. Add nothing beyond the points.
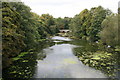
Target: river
(60, 62)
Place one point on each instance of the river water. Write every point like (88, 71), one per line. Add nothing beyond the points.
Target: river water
(60, 62)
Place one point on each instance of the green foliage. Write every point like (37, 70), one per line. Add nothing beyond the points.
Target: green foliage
(11, 33)
(87, 24)
(78, 24)
(22, 68)
(94, 56)
(19, 56)
(48, 24)
(109, 33)
(23, 30)
(25, 63)
(26, 24)
(59, 23)
(62, 23)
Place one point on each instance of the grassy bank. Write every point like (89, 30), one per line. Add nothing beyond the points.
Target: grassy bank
(98, 56)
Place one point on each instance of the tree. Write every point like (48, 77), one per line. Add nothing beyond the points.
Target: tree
(48, 24)
(109, 33)
(87, 24)
(27, 24)
(98, 15)
(11, 34)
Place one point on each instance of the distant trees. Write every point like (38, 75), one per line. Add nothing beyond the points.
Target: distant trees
(62, 23)
(79, 23)
(96, 24)
(48, 24)
(87, 24)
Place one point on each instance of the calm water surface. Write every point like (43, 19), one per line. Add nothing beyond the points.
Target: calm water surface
(62, 63)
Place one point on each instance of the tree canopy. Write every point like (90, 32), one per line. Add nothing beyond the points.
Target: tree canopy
(22, 29)
(87, 24)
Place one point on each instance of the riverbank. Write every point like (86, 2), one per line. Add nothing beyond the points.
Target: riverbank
(62, 63)
(98, 56)
(23, 65)
(59, 55)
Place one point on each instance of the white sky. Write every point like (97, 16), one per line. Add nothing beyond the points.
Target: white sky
(68, 8)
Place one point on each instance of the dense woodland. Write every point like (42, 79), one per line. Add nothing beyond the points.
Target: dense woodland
(22, 29)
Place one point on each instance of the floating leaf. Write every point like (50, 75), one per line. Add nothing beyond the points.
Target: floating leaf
(96, 58)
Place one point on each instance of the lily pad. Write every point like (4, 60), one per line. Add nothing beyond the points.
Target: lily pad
(96, 58)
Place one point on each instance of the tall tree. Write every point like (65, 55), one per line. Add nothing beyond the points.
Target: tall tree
(87, 24)
(11, 33)
(27, 24)
(109, 34)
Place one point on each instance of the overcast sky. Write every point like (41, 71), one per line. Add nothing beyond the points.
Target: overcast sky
(68, 8)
